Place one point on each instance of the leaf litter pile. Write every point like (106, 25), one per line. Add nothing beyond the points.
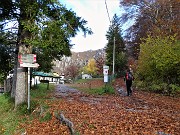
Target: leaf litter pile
(142, 113)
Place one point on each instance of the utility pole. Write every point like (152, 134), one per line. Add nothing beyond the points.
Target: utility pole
(114, 40)
(113, 56)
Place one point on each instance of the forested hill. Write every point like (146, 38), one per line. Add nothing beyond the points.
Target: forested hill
(86, 55)
(78, 58)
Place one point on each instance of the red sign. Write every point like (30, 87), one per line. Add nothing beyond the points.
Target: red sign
(27, 58)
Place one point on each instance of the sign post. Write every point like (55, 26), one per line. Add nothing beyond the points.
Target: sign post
(29, 61)
(105, 72)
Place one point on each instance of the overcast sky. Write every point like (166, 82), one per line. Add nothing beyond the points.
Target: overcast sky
(93, 11)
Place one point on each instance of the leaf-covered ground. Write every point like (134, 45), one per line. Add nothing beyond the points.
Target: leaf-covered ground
(142, 113)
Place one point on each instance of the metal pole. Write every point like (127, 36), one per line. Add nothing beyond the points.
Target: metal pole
(113, 55)
(28, 88)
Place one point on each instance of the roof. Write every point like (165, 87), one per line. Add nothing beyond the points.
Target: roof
(45, 74)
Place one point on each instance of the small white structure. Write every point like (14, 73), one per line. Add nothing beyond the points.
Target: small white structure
(86, 76)
(61, 79)
(35, 80)
(105, 72)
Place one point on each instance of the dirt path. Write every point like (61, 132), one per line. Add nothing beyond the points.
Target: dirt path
(142, 113)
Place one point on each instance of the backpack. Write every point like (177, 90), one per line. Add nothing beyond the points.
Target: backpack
(129, 76)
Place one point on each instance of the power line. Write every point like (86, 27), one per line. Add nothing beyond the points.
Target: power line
(107, 12)
(114, 41)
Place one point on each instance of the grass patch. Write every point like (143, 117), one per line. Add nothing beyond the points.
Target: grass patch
(41, 90)
(11, 118)
(108, 88)
(86, 80)
(92, 91)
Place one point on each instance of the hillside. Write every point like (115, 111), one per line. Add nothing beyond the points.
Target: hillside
(79, 58)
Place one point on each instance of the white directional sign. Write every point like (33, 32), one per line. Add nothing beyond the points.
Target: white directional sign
(106, 67)
(32, 65)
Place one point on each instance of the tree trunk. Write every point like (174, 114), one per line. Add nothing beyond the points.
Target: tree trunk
(14, 77)
(20, 93)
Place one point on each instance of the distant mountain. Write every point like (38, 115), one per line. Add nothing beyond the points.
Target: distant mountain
(79, 58)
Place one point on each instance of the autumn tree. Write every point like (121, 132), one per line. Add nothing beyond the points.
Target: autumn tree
(72, 71)
(100, 61)
(44, 27)
(159, 63)
(159, 17)
(91, 68)
(115, 39)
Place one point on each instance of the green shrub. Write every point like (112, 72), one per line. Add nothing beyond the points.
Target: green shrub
(108, 89)
(174, 89)
(159, 63)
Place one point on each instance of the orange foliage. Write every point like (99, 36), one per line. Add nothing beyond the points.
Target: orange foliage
(142, 113)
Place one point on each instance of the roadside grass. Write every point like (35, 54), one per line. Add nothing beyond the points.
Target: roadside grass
(10, 117)
(97, 90)
(87, 80)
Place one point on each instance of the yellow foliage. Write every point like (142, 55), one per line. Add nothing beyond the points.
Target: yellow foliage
(91, 67)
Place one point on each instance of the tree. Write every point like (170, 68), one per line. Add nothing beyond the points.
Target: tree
(7, 54)
(5, 66)
(162, 17)
(100, 61)
(159, 61)
(91, 67)
(115, 32)
(72, 71)
(44, 27)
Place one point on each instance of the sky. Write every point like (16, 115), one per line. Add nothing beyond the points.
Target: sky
(95, 13)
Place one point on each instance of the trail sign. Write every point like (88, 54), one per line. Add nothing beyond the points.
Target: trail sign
(27, 58)
(105, 70)
(32, 65)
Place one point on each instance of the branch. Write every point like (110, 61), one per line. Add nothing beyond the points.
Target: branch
(67, 122)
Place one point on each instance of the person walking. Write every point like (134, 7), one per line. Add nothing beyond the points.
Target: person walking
(128, 78)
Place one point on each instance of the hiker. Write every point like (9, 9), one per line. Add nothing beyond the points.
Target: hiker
(128, 78)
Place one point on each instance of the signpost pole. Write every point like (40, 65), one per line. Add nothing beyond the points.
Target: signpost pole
(28, 88)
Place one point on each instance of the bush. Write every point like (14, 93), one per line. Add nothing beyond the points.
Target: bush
(108, 89)
(174, 89)
(159, 63)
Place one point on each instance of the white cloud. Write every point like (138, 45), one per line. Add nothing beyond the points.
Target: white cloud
(93, 11)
